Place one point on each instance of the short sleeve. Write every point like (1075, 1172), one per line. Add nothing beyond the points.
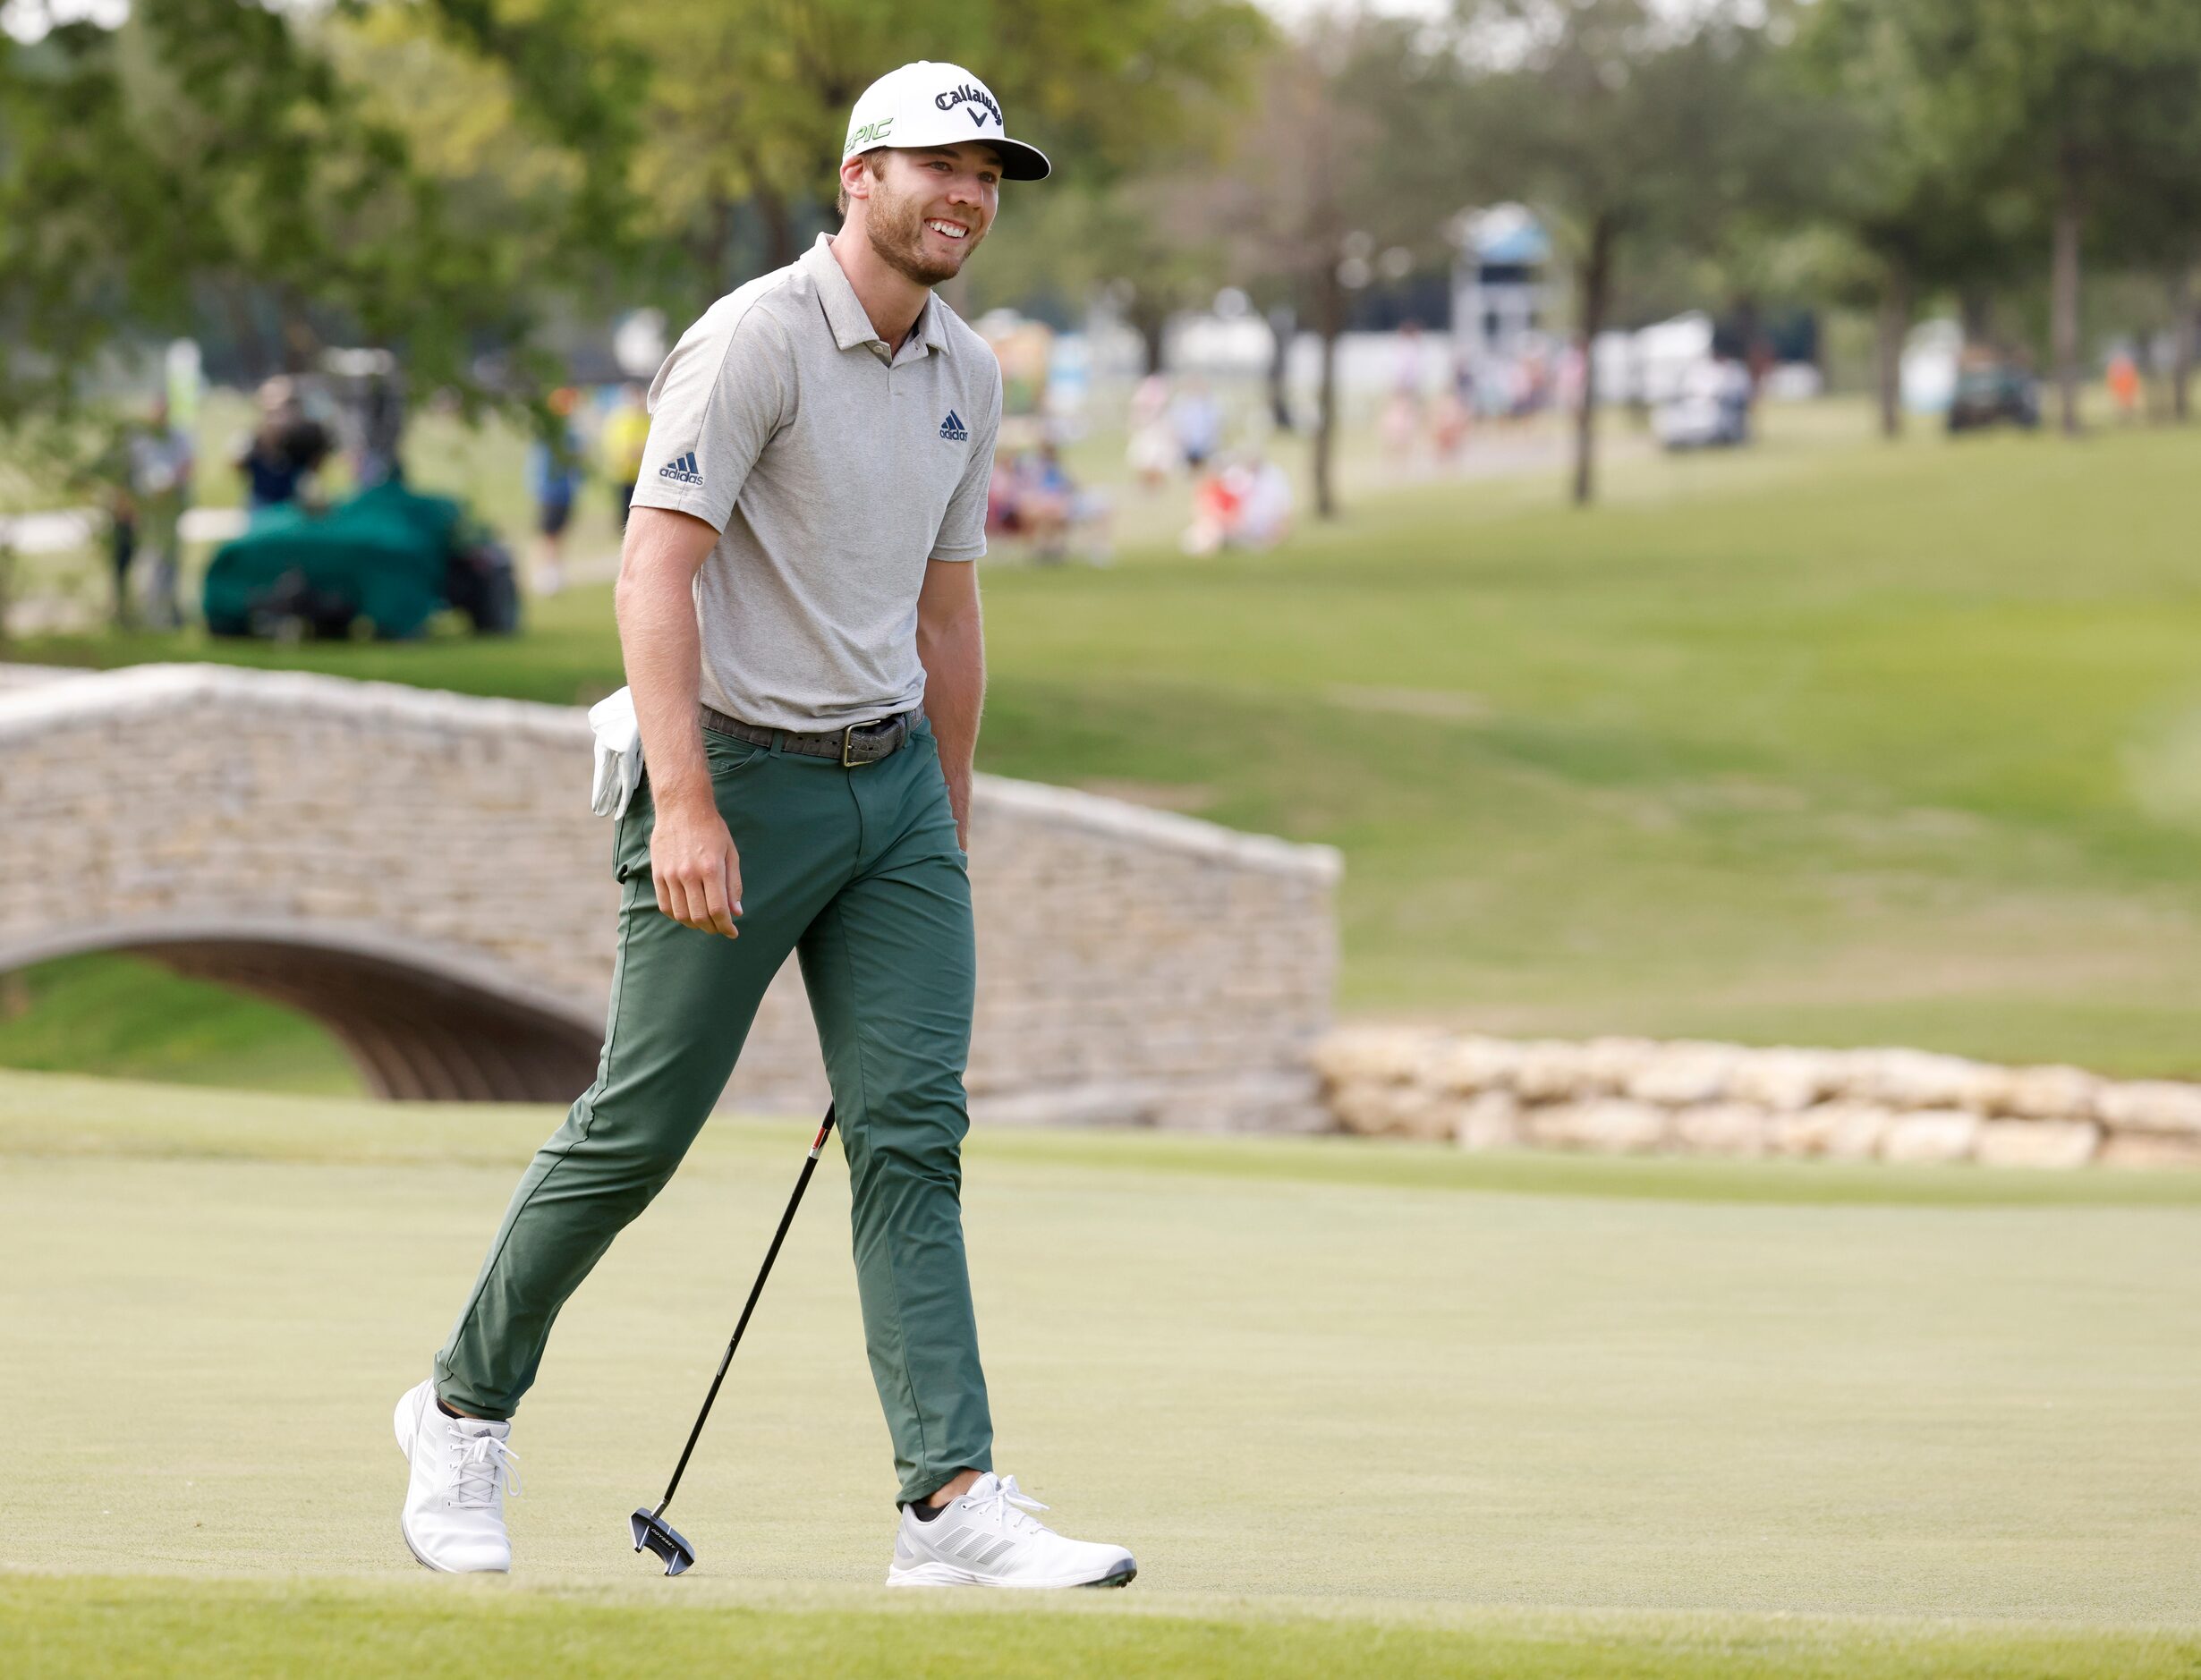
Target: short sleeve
(962, 535)
(715, 403)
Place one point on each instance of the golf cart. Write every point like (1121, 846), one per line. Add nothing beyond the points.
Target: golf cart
(384, 561)
(1993, 391)
(1710, 408)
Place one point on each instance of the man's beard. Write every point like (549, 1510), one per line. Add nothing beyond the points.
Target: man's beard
(896, 226)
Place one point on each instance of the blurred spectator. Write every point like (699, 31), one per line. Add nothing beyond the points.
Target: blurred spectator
(2124, 385)
(1264, 505)
(1035, 499)
(1197, 418)
(159, 458)
(281, 456)
(1401, 425)
(626, 435)
(1453, 416)
(1152, 452)
(554, 481)
(1245, 505)
(381, 425)
(1215, 510)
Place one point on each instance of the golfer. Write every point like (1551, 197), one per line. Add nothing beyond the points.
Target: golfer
(799, 614)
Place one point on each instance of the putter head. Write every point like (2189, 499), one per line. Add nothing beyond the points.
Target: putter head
(663, 1539)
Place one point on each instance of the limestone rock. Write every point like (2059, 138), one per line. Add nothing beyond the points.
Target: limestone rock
(1491, 1121)
(1387, 1110)
(2149, 1150)
(1724, 1128)
(1613, 1124)
(1550, 1070)
(1382, 1054)
(1923, 1079)
(1840, 1131)
(1785, 1080)
(1474, 1064)
(1609, 1065)
(1931, 1135)
(2051, 1093)
(1681, 1074)
(2036, 1142)
(2152, 1105)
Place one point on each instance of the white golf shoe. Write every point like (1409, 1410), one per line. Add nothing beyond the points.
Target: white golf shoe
(454, 1517)
(988, 1538)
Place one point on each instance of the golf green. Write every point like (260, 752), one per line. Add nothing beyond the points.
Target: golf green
(1357, 1409)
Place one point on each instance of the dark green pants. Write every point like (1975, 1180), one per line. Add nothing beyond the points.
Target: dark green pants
(858, 872)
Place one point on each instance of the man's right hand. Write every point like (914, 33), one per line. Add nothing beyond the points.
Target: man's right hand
(695, 869)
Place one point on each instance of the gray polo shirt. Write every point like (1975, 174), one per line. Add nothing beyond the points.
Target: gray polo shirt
(832, 472)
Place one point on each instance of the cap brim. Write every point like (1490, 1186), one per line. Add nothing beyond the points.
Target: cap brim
(1020, 162)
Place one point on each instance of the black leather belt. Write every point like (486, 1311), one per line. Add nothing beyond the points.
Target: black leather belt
(857, 744)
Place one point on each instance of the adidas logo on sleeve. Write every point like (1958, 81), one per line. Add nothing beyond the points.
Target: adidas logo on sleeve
(952, 428)
(681, 471)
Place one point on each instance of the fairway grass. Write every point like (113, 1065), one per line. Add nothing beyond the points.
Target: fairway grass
(1358, 1409)
(60, 1629)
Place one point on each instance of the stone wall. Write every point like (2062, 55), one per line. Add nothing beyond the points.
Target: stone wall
(373, 850)
(1636, 1096)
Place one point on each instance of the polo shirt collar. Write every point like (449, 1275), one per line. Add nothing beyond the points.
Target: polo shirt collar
(844, 312)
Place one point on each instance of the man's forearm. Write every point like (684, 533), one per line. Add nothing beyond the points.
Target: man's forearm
(657, 639)
(955, 659)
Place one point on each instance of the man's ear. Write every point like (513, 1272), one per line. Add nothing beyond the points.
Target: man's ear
(856, 176)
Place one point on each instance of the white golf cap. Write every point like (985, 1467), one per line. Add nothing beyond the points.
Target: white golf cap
(925, 103)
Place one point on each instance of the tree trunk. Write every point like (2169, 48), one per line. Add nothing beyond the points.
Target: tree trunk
(1975, 314)
(2181, 341)
(1894, 328)
(780, 247)
(1283, 326)
(706, 245)
(2063, 303)
(301, 345)
(1151, 321)
(1330, 305)
(244, 332)
(1594, 281)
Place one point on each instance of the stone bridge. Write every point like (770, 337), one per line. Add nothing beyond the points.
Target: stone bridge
(421, 872)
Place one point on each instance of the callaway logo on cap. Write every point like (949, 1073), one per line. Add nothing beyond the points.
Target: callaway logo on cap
(925, 103)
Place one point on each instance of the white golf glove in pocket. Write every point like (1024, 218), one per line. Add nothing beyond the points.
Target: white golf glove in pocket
(619, 753)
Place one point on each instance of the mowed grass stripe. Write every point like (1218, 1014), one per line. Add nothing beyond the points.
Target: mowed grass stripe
(44, 1114)
(1271, 1389)
(58, 1628)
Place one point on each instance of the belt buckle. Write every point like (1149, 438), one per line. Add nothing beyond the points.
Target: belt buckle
(848, 744)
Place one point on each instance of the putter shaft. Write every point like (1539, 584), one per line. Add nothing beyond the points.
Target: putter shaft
(802, 1183)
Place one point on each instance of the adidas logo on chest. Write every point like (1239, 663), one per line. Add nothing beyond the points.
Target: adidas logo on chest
(954, 430)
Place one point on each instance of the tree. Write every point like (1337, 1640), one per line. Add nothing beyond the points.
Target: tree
(1320, 176)
(210, 152)
(1918, 215)
(2065, 101)
(436, 178)
(749, 99)
(1622, 123)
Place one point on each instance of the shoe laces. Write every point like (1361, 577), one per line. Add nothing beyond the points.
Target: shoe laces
(1008, 1504)
(476, 1467)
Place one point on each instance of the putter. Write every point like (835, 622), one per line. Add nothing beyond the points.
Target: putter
(650, 1527)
